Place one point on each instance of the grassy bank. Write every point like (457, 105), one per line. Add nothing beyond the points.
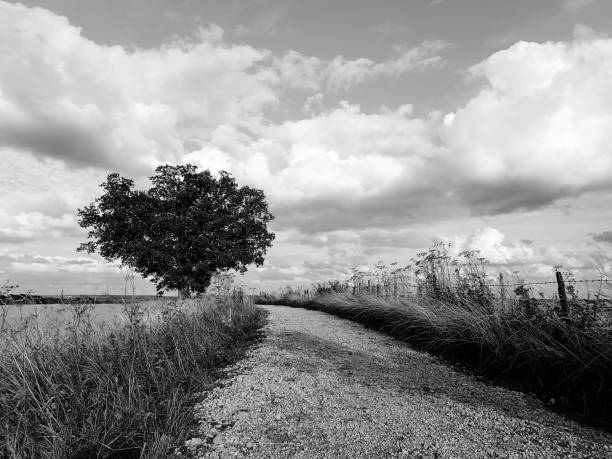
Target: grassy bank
(91, 390)
(567, 364)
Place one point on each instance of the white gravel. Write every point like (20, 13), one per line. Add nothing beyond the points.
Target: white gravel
(322, 387)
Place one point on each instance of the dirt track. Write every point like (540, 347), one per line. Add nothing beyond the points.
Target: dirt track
(323, 387)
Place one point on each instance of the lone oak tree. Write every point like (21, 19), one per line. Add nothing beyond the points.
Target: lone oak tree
(185, 228)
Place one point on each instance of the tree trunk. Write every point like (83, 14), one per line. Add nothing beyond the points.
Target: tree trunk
(184, 293)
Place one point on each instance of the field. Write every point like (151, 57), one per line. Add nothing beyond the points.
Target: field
(58, 315)
(110, 381)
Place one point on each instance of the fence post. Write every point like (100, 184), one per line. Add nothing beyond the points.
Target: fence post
(502, 292)
(369, 290)
(562, 296)
(378, 289)
(395, 289)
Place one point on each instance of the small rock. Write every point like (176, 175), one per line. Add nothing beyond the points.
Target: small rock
(194, 443)
(218, 440)
(250, 445)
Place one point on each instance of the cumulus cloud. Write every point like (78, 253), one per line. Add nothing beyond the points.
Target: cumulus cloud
(539, 128)
(522, 258)
(340, 169)
(64, 96)
(536, 132)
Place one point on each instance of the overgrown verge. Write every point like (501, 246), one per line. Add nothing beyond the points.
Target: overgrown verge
(122, 391)
(566, 364)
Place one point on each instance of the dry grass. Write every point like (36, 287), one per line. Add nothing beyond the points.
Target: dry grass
(90, 390)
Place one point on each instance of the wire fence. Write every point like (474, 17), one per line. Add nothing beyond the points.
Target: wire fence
(560, 293)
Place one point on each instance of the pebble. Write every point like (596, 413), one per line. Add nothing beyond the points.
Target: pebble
(194, 443)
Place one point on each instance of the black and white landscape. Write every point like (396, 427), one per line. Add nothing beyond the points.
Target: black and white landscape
(438, 171)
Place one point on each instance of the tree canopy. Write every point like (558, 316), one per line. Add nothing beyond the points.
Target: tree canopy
(180, 232)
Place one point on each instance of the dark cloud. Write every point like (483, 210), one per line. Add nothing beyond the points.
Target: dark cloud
(605, 237)
(511, 196)
(54, 138)
(13, 238)
(397, 208)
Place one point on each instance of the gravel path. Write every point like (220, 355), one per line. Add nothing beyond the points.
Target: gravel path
(322, 387)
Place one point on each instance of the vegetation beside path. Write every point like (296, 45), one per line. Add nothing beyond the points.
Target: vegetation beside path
(91, 390)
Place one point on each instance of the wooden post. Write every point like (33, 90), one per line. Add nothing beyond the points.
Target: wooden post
(562, 296)
(395, 289)
(502, 292)
(378, 289)
(369, 289)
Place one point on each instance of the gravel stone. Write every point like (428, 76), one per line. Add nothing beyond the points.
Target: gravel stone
(318, 386)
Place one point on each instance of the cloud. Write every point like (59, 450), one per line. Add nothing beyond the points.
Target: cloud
(605, 237)
(522, 258)
(27, 226)
(63, 96)
(539, 128)
(340, 169)
(576, 6)
(535, 133)
(337, 74)
(31, 263)
(40, 197)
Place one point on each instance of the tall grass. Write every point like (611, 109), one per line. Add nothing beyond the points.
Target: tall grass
(89, 390)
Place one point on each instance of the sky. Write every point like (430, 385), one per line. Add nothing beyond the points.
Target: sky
(374, 128)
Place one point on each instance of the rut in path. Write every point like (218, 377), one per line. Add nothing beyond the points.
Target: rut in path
(322, 387)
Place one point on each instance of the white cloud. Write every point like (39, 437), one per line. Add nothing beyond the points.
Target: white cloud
(522, 259)
(26, 226)
(335, 168)
(490, 244)
(538, 130)
(66, 97)
(315, 74)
